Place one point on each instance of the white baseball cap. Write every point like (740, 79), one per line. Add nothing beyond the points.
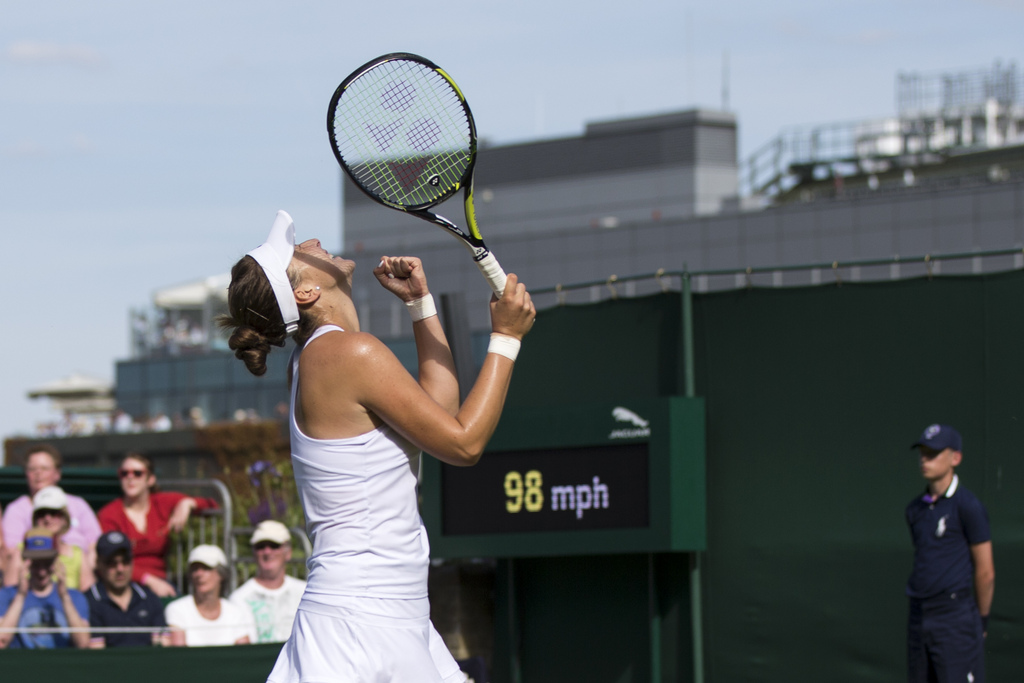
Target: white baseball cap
(274, 255)
(50, 498)
(209, 555)
(272, 531)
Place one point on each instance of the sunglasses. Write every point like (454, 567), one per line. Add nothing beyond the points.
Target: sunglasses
(266, 544)
(124, 474)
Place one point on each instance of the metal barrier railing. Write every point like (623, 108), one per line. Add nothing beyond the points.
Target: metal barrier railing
(744, 277)
(205, 526)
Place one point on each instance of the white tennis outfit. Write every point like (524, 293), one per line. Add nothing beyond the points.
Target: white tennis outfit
(365, 615)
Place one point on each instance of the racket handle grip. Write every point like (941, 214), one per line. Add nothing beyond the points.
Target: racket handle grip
(493, 273)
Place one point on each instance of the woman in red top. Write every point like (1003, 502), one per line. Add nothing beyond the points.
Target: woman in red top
(147, 517)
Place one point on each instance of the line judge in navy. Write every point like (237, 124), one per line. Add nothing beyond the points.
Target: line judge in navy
(953, 579)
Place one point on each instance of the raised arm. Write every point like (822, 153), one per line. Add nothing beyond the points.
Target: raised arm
(356, 373)
(76, 620)
(12, 614)
(403, 276)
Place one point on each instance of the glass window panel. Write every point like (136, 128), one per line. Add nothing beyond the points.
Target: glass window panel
(129, 378)
(158, 376)
(212, 372)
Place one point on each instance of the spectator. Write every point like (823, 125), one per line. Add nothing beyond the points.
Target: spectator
(42, 469)
(50, 512)
(42, 598)
(117, 601)
(205, 617)
(122, 422)
(147, 517)
(272, 596)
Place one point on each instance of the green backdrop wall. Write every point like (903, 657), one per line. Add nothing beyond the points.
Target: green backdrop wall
(813, 398)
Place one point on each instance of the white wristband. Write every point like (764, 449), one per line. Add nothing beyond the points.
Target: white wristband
(504, 345)
(421, 308)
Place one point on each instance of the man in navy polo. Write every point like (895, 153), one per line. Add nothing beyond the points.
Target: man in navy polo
(953, 578)
(117, 601)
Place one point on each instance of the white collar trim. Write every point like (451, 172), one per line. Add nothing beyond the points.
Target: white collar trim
(952, 486)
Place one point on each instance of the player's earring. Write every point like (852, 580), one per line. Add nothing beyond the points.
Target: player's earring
(318, 289)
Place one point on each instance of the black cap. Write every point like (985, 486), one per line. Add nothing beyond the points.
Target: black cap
(940, 437)
(112, 542)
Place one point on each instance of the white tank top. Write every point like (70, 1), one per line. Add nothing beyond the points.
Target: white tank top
(359, 496)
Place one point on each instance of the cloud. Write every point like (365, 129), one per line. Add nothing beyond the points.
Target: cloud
(32, 52)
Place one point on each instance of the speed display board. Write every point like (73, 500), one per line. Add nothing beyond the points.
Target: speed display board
(604, 478)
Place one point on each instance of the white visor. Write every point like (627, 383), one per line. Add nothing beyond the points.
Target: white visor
(274, 255)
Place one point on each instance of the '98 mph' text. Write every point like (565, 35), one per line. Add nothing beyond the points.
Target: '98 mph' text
(527, 492)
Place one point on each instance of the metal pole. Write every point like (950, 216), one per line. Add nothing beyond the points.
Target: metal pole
(513, 625)
(655, 620)
(689, 385)
(696, 592)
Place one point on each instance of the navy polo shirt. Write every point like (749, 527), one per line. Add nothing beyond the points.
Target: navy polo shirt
(145, 609)
(943, 532)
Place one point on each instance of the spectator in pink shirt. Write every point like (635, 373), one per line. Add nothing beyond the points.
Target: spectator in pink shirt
(42, 469)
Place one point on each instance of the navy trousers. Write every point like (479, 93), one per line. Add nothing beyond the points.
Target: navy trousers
(945, 642)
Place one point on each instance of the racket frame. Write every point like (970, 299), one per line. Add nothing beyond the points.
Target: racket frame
(473, 240)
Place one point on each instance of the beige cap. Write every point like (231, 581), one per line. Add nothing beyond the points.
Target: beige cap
(272, 531)
(209, 555)
(50, 498)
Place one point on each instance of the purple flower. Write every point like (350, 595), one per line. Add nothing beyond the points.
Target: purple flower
(258, 468)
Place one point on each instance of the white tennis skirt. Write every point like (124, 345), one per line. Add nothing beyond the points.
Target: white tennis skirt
(364, 640)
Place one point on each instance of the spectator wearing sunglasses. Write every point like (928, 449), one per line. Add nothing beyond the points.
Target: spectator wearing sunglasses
(271, 596)
(50, 512)
(148, 517)
(42, 469)
(115, 601)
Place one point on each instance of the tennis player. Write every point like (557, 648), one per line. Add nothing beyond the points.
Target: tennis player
(358, 423)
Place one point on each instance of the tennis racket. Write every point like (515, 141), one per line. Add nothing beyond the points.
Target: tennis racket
(404, 134)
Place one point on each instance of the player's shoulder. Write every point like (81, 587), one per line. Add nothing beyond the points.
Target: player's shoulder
(351, 352)
(328, 345)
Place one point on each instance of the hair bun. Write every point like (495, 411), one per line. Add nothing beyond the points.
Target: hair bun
(251, 347)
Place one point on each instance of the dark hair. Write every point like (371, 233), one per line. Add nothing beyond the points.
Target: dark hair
(145, 461)
(254, 315)
(49, 449)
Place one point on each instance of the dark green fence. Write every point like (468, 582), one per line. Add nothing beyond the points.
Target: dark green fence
(813, 398)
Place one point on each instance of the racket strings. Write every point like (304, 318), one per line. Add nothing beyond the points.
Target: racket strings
(404, 134)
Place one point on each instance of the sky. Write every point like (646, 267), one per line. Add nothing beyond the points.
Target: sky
(149, 144)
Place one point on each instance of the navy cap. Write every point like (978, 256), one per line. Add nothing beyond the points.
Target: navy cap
(112, 542)
(939, 438)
